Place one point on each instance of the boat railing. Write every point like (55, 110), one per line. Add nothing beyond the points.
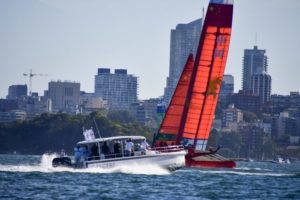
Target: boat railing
(116, 155)
(107, 156)
(171, 148)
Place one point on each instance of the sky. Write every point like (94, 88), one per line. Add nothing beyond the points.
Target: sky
(70, 39)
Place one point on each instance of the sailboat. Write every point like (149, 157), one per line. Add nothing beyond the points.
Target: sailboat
(190, 114)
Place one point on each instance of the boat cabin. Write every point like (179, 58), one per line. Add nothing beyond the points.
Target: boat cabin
(111, 147)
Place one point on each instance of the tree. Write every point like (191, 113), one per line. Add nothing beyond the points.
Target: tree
(232, 141)
(121, 116)
(249, 117)
(53, 132)
(269, 149)
(214, 138)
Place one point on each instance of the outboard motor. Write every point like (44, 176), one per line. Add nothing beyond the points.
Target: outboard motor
(62, 162)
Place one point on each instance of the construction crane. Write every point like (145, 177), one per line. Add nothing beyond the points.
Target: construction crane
(31, 75)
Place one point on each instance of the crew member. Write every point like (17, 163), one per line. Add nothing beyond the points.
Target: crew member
(144, 146)
(129, 148)
(77, 155)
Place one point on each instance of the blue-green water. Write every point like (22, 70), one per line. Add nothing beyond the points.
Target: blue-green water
(32, 177)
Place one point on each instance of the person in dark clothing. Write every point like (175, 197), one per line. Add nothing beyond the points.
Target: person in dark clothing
(161, 144)
(94, 152)
(117, 149)
(105, 150)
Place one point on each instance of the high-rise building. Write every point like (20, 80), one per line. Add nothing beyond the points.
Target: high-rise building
(64, 95)
(119, 89)
(227, 86)
(17, 91)
(255, 62)
(184, 41)
(261, 85)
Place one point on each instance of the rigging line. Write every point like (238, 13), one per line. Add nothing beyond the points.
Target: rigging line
(97, 128)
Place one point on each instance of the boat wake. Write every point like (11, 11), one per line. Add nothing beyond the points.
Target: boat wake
(243, 171)
(251, 173)
(45, 166)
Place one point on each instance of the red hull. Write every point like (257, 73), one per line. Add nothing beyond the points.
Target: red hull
(208, 162)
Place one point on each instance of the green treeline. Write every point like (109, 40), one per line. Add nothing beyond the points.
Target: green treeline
(56, 132)
(49, 133)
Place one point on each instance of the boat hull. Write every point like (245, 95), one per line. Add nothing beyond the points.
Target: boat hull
(209, 161)
(170, 161)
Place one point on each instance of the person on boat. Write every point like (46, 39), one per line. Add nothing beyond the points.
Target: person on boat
(77, 155)
(85, 153)
(144, 146)
(94, 152)
(117, 149)
(209, 152)
(82, 152)
(129, 148)
(105, 150)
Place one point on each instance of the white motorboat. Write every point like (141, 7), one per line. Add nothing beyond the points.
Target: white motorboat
(106, 153)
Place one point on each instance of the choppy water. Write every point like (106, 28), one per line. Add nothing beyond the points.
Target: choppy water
(32, 177)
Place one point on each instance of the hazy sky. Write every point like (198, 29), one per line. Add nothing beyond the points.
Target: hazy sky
(70, 39)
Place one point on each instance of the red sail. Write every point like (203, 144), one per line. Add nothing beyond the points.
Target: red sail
(169, 129)
(190, 114)
(207, 74)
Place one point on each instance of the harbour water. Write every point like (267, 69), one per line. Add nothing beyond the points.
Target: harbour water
(32, 177)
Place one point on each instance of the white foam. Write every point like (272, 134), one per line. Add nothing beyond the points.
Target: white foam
(244, 173)
(251, 169)
(45, 166)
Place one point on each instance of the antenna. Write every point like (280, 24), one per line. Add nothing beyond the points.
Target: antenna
(97, 128)
(255, 41)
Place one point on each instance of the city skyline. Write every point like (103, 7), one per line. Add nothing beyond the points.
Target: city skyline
(69, 40)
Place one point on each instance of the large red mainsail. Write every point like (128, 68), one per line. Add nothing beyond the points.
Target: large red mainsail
(169, 129)
(208, 74)
(189, 118)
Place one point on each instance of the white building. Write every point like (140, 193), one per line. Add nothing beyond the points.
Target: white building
(230, 115)
(90, 103)
(64, 95)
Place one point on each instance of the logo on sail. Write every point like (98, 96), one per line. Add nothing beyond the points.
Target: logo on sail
(213, 86)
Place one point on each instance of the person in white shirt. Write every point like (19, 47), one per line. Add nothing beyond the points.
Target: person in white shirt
(144, 146)
(129, 148)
